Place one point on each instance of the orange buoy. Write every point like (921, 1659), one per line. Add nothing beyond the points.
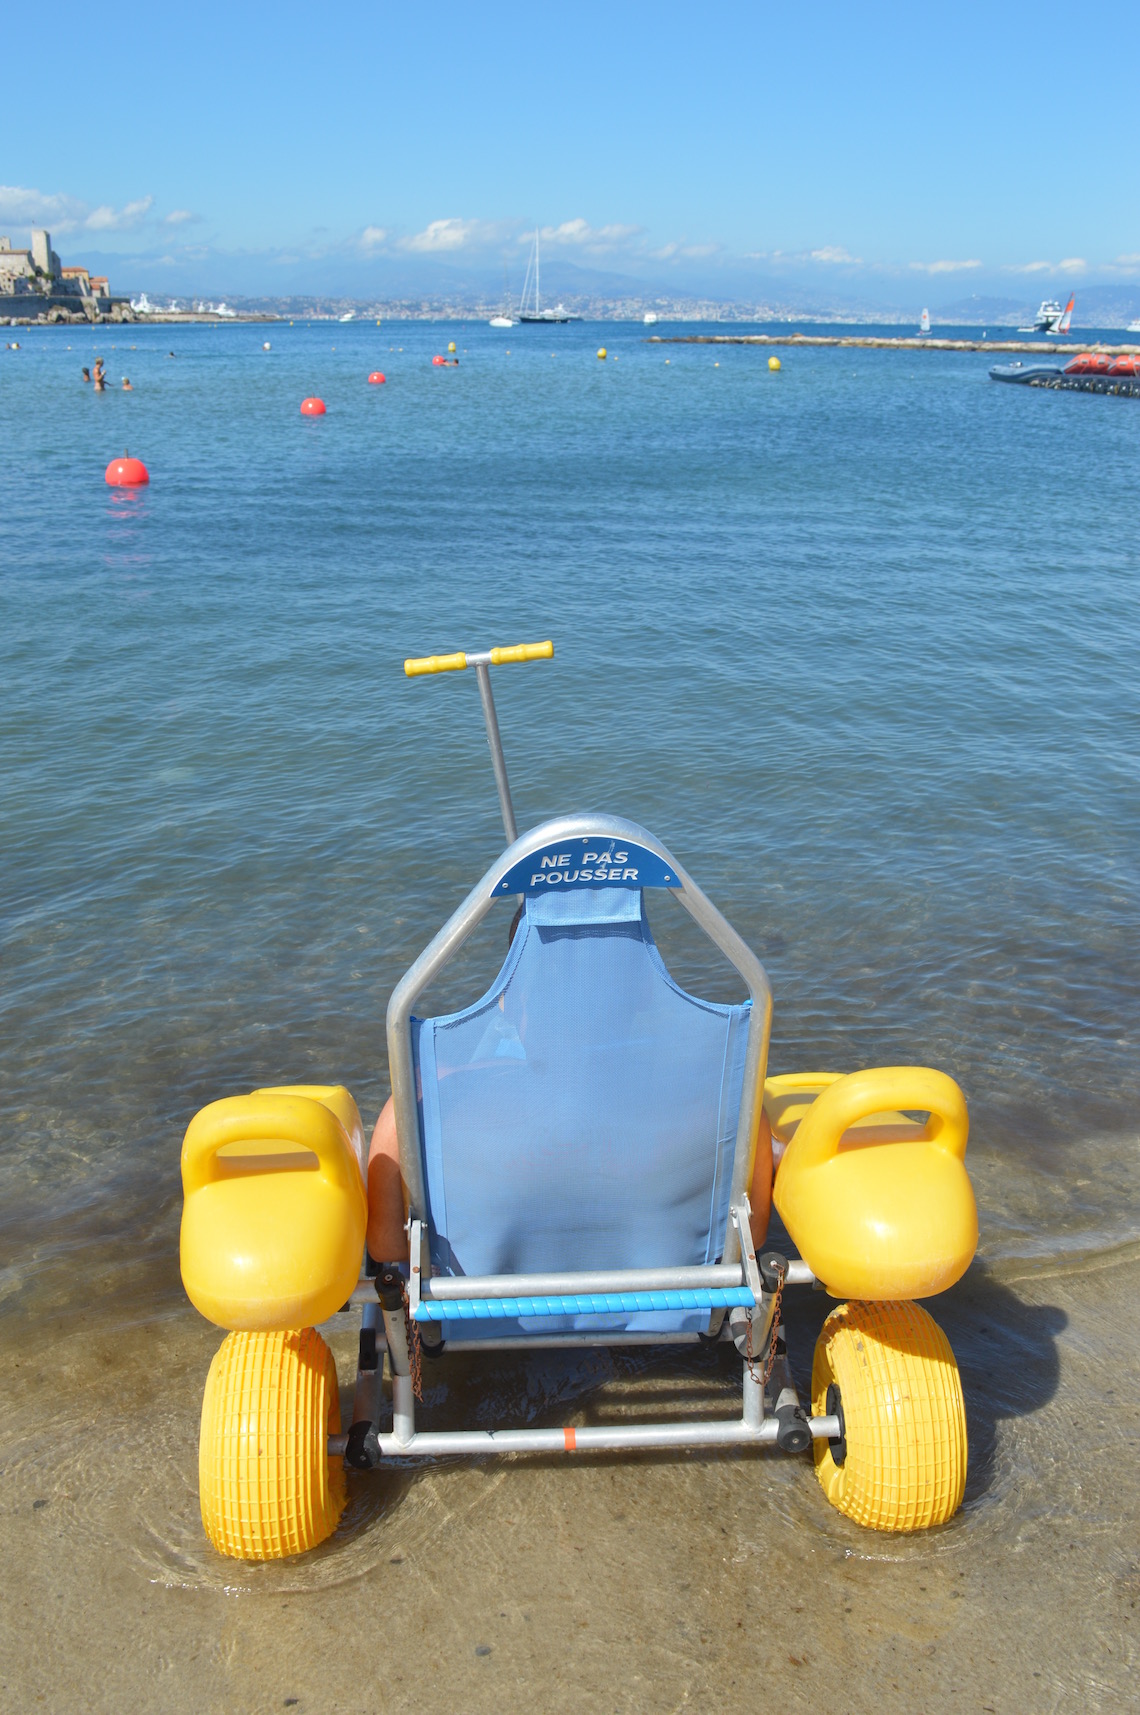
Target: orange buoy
(438, 361)
(126, 473)
(312, 407)
(376, 378)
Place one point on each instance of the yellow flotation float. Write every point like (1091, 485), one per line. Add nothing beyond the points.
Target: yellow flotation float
(879, 1205)
(274, 1207)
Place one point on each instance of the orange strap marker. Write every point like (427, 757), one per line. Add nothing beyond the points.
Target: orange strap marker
(571, 1439)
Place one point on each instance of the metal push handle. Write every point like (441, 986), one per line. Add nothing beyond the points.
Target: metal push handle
(501, 656)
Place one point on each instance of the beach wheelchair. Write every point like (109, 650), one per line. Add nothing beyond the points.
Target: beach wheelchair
(582, 1157)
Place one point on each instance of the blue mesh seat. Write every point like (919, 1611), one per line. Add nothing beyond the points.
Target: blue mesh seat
(582, 1114)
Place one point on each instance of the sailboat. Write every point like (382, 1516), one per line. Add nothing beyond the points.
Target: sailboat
(924, 324)
(537, 313)
(1066, 319)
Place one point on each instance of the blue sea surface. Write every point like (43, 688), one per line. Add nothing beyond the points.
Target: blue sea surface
(857, 640)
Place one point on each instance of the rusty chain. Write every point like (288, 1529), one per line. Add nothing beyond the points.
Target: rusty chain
(775, 1329)
(749, 1355)
(415, 1353)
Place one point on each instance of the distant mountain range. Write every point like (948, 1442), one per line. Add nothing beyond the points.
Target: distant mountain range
(348, 279)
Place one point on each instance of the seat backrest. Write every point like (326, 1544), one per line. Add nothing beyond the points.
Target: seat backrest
(583, 1113)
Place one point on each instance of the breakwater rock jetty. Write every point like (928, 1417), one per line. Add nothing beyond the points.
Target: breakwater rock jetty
(878, 342)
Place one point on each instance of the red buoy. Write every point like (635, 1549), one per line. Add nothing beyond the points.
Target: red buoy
(437, 360)
(312, 407)
(376, 378)
(126, 473)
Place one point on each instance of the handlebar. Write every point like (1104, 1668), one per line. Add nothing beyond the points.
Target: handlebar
(499, 657)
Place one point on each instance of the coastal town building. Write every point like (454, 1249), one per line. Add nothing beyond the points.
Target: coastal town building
(34, 286)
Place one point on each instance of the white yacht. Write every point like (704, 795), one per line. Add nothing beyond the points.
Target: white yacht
(650, 318)
(529, 312)
(1051, 318)
(501, 322)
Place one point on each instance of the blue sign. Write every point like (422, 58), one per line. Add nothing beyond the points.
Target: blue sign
(587, 860)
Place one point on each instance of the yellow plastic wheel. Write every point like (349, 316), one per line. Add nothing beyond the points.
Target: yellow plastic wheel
(266, 1484)
(889, 1372)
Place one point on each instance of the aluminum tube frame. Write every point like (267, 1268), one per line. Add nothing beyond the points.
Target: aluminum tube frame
(616, 1280)
(615, 1438)
(462, 923)
(494, 739)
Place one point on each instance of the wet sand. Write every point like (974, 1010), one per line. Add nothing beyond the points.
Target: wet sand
(643, 1584)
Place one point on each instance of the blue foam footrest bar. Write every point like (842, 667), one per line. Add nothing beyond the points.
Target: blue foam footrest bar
(580, 1304)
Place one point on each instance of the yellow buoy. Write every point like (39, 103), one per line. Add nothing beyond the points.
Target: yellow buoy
(602, 352)
(773, 363)
(451, 345)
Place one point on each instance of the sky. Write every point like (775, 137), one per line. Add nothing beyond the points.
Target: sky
(896, 153)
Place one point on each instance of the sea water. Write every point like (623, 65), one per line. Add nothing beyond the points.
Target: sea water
(859, 642)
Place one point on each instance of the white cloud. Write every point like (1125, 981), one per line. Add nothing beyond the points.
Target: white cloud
(22, 206)
(443, 235)
(581, 232)
(179, 217)
(108, 219)
(372, 236)
(1069, 265)
(669, 252)
(945, 267)
(834, 253)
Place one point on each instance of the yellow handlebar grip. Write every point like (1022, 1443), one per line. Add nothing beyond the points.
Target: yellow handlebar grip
(435, 664)
(522, 652)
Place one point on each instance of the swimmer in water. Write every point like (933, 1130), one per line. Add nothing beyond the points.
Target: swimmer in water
(86, 375)
(99, 378)
(127, 388)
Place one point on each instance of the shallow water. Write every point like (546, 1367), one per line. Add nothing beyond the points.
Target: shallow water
(858, 641)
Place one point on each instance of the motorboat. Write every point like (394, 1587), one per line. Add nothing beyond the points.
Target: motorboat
(1051, 318)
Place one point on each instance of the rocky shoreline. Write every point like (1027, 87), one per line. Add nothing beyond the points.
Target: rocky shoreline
(59, 315)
